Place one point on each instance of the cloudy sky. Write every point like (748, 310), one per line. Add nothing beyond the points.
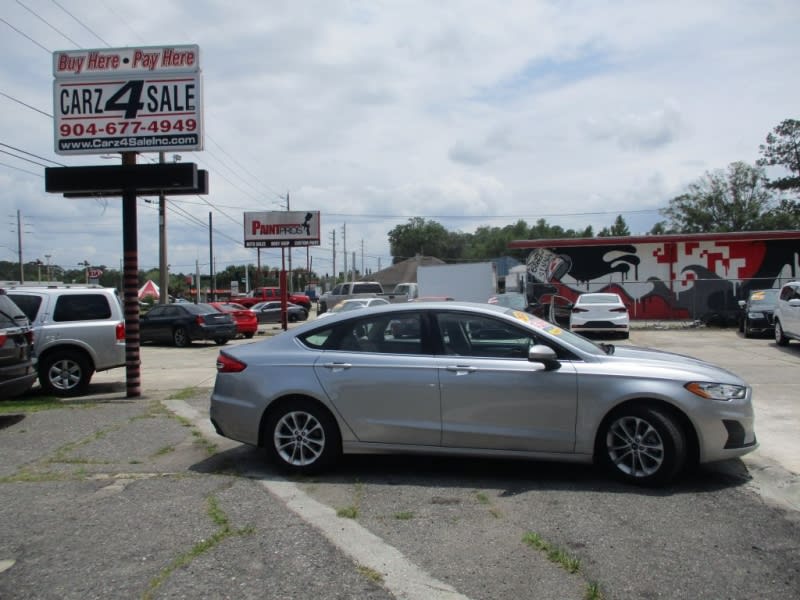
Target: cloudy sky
(469, 113)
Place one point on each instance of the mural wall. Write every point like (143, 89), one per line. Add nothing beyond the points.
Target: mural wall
(669, 280)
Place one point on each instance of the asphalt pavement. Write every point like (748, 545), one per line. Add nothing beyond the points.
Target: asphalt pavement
(110, 497)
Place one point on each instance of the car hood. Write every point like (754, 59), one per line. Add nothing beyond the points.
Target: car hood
(660, 358)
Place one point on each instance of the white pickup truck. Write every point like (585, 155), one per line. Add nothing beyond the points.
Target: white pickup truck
(362, 289)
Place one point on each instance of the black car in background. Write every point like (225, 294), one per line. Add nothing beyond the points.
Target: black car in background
(183, 323)
(756, 316)
(17, 368)
(270, 312)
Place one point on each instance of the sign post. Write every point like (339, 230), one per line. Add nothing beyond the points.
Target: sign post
(127, 100)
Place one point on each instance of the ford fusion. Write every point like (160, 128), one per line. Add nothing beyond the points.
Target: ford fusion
(476, 380)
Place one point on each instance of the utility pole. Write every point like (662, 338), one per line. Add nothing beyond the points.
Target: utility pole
(163, 275)
(212, 280)
(344, 246)
(291, 287)
(333, 234)
(363, 272)
(19, 248)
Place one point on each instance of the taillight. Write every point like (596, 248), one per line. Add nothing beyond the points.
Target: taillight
(3, 338)
(580, 310)
(120, 332)
(623, 309)
(200, 319)
(228, 364)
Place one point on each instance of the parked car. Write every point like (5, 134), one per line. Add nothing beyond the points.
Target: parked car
(245, 318)
(353, 304)
(181, 324)
(270, 312)
(757, 312)
(77, 330)
(600, 312)
(515, 300)
(17, 362)
(787, 314)
(477, 380)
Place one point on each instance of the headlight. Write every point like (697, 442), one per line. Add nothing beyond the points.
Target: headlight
(755, 315)
(717, 391)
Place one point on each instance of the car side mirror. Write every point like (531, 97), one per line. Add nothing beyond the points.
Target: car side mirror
(742, 303)
(545, 355)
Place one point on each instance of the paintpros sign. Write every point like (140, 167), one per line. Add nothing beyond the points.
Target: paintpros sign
(145, 99)
(281, 229)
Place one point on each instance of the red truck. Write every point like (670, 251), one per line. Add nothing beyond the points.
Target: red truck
(263, 294)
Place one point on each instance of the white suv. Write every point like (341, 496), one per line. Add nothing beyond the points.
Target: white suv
(77, 330)
(787, 314)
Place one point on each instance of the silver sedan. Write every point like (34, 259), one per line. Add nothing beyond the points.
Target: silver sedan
(476, 379)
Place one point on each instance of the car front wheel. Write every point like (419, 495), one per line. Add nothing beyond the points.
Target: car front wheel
(780, 339)
(642, 445)
(65, 374)
(302, 437)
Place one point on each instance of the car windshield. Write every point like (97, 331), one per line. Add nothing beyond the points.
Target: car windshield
(344, 306)
(766, 298)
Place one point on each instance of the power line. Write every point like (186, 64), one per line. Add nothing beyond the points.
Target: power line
(25, 35)
(54, 28)
(46, 114)
(81, 23)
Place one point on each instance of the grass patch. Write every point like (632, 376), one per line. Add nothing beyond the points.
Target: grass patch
(347, 512)
(370, 574)
(184, 394)
(224, 531)
(553, 553)
(164, 450)
(31, 477)
(495, 513)
(593, 592)
(482, 498)
(404, 515)
(30, 405)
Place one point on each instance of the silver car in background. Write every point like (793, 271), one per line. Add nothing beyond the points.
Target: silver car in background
(475, 379)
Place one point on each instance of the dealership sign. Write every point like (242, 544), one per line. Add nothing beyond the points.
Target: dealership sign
(281, 229)
(145, 99)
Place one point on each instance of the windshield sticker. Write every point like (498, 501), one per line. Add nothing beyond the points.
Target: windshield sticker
(757, 296)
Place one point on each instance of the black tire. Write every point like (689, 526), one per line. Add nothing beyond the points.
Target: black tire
(180, 337)
(249, 336)
(642, 445)
(65, 373)
(220, 341)
(293, 317)
(747, 332)
(302, 437)
(780, 339)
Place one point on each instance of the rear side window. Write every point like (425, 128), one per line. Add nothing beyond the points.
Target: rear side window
(81, 307)
(367, 288)
(27, 304)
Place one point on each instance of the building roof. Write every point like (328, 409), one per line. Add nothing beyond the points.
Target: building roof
(404, 271)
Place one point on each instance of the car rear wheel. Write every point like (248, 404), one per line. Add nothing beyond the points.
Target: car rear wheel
(220, 341)
(249, 335)
(180, 337)
(780, 339)
(65, 373)
(302, 437)
(642, 445)
(293, 318)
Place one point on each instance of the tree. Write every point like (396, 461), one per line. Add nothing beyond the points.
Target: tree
(618, 229)
(419, 236)
(734, 200)
(783, 149)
